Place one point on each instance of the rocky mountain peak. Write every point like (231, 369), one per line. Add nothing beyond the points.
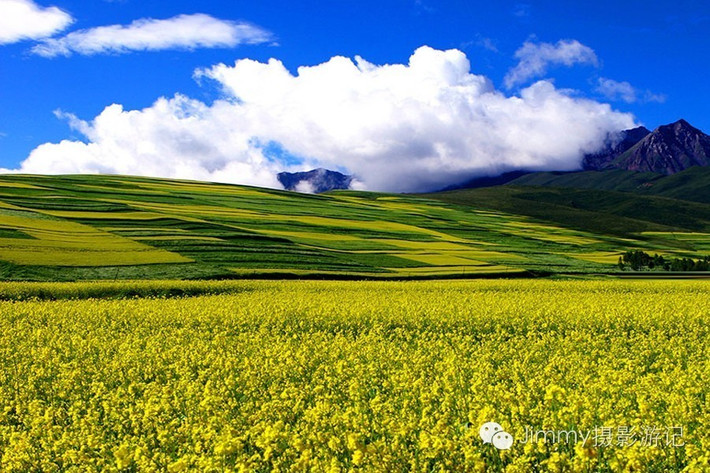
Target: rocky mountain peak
(616, 144)
(667, 150)
(314, 181)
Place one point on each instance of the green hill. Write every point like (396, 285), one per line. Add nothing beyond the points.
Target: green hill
(692, 184)
(116, 227)
(598, 211)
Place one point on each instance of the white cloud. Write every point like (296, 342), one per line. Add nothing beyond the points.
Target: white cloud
(305, 187)
(176, 137)
(180, 32)
(486, 43)
(649, 96)
(400, 127)
(624, 91)
(615, 90)
(535, 58)
(23, 19)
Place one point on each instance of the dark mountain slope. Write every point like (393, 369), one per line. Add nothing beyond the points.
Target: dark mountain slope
(315, 181)
(667, 150)
(616, 145)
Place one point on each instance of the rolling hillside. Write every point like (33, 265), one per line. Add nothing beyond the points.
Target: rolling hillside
(115, 227)
(623, 214)
(692, 184)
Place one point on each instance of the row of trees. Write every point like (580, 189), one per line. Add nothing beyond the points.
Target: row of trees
(638, 260)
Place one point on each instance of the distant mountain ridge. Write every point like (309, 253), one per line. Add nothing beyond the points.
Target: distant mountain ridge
(668, 149)
(315, 181)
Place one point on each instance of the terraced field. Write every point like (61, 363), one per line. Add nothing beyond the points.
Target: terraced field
(116, 227)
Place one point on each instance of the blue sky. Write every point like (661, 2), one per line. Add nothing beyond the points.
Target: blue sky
(645, 58)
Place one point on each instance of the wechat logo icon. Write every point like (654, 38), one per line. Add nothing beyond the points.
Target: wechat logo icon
(492, 432)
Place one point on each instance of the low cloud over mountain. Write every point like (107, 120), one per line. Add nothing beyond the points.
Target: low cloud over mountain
(315, 181)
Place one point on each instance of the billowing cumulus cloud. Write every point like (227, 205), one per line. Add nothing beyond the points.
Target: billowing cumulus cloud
(176, 137)
(180, 32)
(24, 19)
(535, 58)
(400, 127)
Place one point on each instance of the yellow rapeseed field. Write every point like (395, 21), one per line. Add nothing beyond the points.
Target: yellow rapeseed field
(359, 376)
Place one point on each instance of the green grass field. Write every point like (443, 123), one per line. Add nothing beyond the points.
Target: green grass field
(55, 228)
